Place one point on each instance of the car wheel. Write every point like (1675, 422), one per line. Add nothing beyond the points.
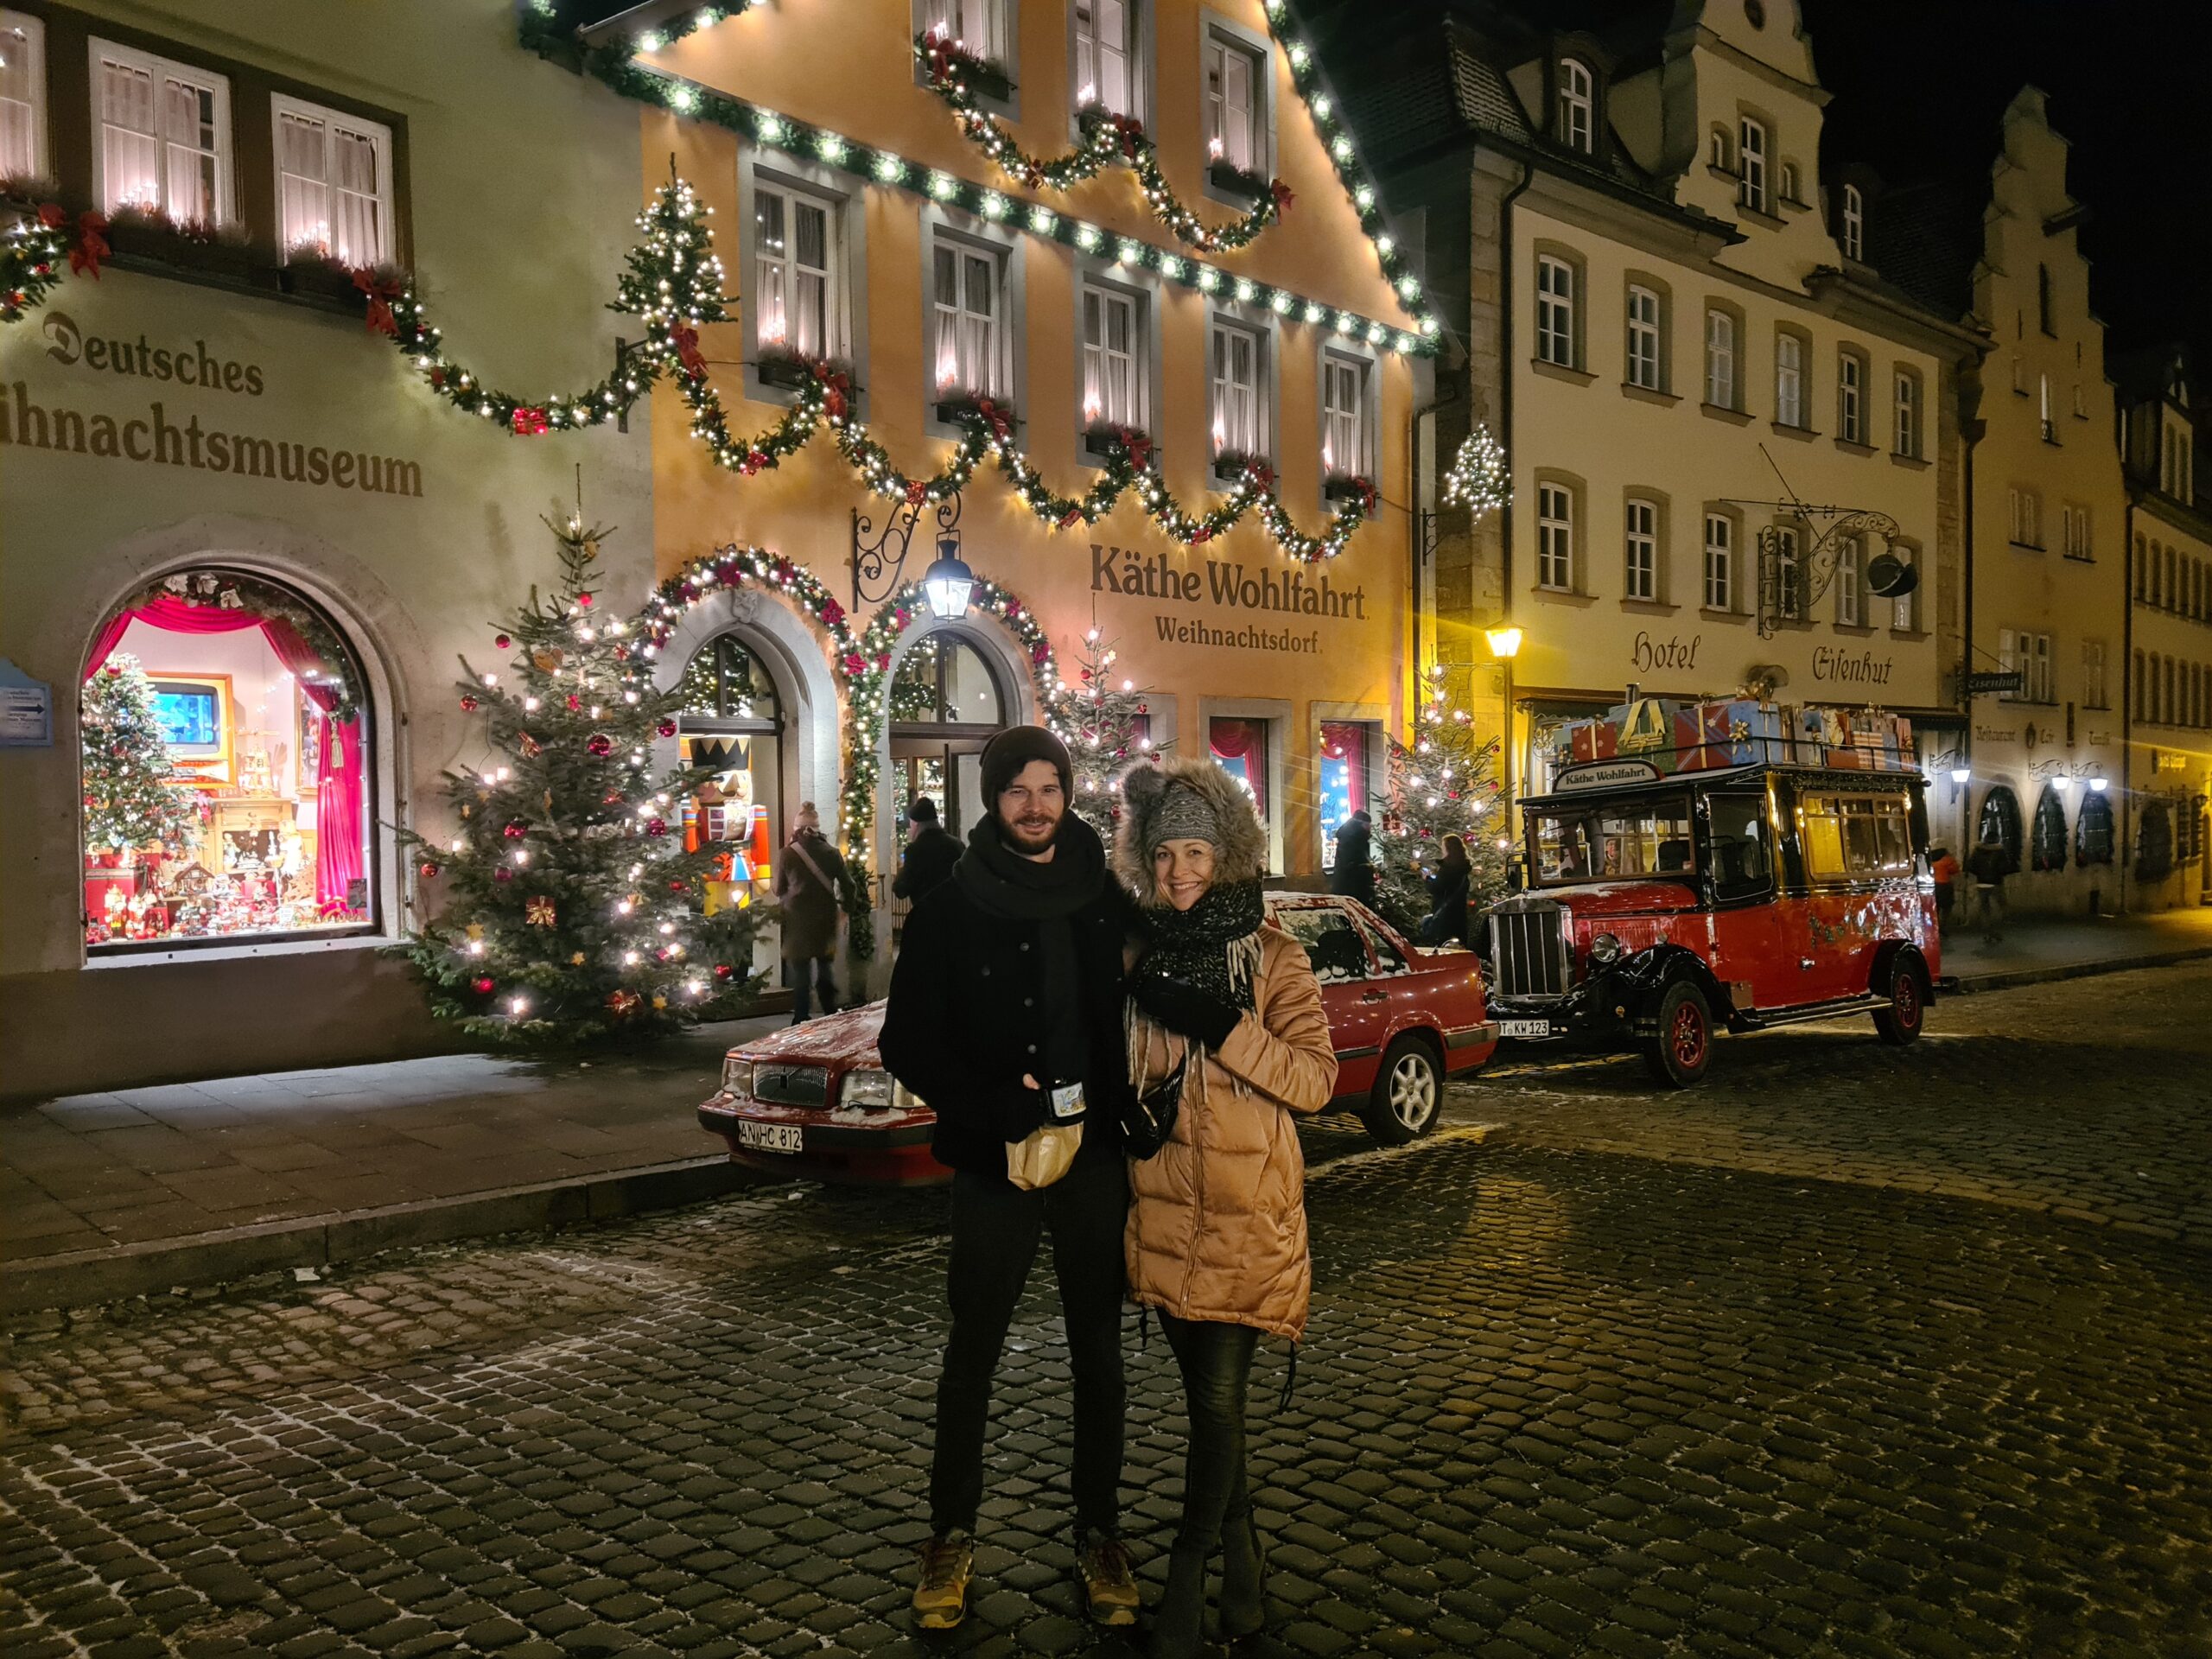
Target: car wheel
(1678, 1052)
(1901, 1022)
(1408, 1093)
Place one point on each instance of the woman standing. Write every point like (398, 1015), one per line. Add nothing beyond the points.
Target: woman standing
(1227, 1011)
(1447, 896)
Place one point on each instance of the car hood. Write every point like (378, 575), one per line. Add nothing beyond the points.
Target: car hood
(847, 1038)
(1625, 897)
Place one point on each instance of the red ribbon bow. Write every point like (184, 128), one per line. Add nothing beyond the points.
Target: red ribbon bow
(1138, 447)
(52, 215)
(1261, 474)
(1002, 428)
(832, 612)
(91, 245)
(529, 422)
(915, 492)
(1130, 133)
(380, 295)
(1365, 491)
(686, 338)
(834, 389)
(1283, 195)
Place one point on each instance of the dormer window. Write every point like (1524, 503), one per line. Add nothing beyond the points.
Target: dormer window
(1716, 150)
(1750, 182)
(1576, 106)
(1854, 223)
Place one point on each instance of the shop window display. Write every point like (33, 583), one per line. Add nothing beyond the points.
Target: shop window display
(1239, 748)
(224, 755)
(946, 705)
(733, 720)
(1343, 780)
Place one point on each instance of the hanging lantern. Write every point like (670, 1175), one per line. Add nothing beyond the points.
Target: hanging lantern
(949, 581)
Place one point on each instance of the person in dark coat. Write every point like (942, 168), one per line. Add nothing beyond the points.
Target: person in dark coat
(1354, 874)
(1005, 1016)
(932, 851)
(1989, 864)
(1448, 884)
(808, 880)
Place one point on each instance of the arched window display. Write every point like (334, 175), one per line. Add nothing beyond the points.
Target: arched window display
(2154, 843)
(733, 720)
(2093, 831)
(225, 750)
(2047, 847)
(946, 705)
(2000, 817)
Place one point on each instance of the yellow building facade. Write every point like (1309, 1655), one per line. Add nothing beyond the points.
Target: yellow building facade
(860, 224)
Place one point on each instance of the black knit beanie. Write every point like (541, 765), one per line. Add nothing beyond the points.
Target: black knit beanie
(1005, 755)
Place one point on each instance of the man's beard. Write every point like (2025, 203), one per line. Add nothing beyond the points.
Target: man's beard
(1031, 835)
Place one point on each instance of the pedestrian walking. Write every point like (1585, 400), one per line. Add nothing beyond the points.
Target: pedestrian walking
(1228, 1012)
(1989, 864)
(1944, 869)
(1449, 886)
(1005, 1016)
(808, 880)
(932, 851)
(1353, 874)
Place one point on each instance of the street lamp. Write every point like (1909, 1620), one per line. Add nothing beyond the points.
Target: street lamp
(949, 581)
(1505, 644)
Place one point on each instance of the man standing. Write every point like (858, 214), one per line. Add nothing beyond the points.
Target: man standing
(1989, 864)
(1354, 874)
(1945, 870)
(931, 852)
(1005, 1016)
(807, 883)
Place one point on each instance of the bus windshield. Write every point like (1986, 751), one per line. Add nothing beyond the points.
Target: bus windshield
(1603, 842)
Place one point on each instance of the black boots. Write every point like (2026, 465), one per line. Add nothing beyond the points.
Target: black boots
(1176, 1622)
(1244, 1571)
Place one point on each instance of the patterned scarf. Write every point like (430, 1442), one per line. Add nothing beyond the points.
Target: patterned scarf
(1215, 945)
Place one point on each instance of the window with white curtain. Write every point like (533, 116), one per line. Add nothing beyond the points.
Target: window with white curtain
(164, 143)
(1908, 414)
(23, 96)
(1555, 537)
(1850, 584)
(1105, 54)
(1238, 365)
(978, 26)
(1642, 549)
(1554, 311)
(1721, 360)
(1719, 562)
(1850, 403)
(1576, 106)
(1644, 359)
(1344, 418)
(1113, 382)
(1235, 87)
(1904, 608)
(1854, 223)
(1751, 181)
(969, 285)
(333, 183)
(1788, 379)
(796, 305)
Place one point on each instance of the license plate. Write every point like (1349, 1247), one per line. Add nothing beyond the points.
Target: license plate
(768, 1137)
(1524, 1027)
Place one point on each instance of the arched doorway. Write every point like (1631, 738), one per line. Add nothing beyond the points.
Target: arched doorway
(2000, 821)
(733, 720)
(947, 701)
(225, 762)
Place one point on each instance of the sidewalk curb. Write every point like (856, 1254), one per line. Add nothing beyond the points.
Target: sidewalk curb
(87, 1278)
(1969, 984)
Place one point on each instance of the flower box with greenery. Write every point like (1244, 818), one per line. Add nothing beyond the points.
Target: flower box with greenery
(224, 250)
(1348, 487)
(309, 273)
(1106, 440)
(978, 75)
(956, 407)
(1233, 181)
(780, 366)
(1231, 465)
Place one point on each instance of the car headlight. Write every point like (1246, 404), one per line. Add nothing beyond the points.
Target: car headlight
(737, 1076)
(903, 1098)
(1604, 948)
(869, 1086)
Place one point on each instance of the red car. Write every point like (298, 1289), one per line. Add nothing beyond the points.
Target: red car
(814, 1099)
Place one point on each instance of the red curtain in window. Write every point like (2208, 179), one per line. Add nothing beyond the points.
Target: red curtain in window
(338, 814)
(175, 616)
(1343, 740)
(1244, 742)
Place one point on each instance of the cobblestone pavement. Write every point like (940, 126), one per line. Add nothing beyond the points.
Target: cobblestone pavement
(1758, 1370)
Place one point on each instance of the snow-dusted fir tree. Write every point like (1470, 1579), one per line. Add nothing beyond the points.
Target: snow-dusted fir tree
(1440, 784)
(566, 908)
(1103, 720)
(129, 799)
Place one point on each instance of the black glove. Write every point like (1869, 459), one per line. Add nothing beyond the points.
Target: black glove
(1182, 1007)
(1017, 1111)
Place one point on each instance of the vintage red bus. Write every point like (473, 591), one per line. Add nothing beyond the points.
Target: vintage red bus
(1663, 905)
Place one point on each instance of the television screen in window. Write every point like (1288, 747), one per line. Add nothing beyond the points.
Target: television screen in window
(191, 719)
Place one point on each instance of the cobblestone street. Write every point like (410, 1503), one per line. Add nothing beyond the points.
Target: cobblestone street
(1852, 1350)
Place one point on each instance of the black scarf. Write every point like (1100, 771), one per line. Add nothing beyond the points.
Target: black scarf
(1006, 884)
(1215, 945)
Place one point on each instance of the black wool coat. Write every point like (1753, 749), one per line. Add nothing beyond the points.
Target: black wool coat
(965, 1020)
(928, 863)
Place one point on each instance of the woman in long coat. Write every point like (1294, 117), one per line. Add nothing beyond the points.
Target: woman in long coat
(1226, 1010)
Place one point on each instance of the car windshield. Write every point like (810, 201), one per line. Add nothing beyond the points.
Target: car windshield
(1611, 843)
(1333, 944)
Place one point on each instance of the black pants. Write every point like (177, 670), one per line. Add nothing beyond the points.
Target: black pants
(1216, 1361)
(995, 1232)
(825, 983)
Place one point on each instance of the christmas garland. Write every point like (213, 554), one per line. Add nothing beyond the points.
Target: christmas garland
(1479, 478)
(1107, 138)
(232, 593)
(35, 248)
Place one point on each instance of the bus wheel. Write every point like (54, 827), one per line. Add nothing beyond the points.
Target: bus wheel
(1678, 1052)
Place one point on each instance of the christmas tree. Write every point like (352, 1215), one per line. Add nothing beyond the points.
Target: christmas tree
(571, 912)
(1439, 784)
(129, 799)
(1106, 727)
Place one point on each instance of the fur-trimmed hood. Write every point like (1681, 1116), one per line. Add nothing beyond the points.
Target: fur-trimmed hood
(1242, 850)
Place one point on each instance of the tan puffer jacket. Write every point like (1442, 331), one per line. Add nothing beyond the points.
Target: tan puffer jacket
(1216, 1226)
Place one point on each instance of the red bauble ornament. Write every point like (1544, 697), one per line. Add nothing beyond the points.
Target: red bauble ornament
(114, 673)
(516, 830)
(430, 872)
(599, 744)
(723, 971)
(666, 729)
(481, 986)
(656, 827)
(583, 601)
(575, 702)
(468, 705)
(501, 873)
(676, 887)
(503, 642)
